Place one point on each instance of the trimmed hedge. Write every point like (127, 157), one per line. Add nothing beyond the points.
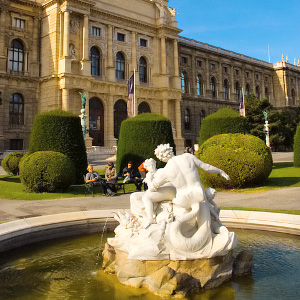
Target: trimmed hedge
(139, 136)
(297, 147)
(47, 171)
(245, 158)
(60, 131)
(225, 120)
(10, 162)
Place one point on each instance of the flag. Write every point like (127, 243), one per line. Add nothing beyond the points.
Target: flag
(130, 88)
(242, 105)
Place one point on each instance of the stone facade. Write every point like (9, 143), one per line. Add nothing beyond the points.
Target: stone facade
(52, 50)
(213, 78)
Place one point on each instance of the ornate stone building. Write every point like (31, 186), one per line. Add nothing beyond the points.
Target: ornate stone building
(52, 50)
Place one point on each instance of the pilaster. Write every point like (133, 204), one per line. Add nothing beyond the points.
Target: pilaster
(85, 62)
(111, 76)
(2, 42)
(65, 99)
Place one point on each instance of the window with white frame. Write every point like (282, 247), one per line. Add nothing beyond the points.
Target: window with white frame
(96, 31)
(19, 23)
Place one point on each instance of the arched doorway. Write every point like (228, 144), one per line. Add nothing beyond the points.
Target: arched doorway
(144, 108)
(96, 121)
(120, 114)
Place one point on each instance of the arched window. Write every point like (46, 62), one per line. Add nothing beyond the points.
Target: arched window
(16, 109)
(143, 69)
(96, 121)
(144, 108)
(199, 84)
(257, 92)
(293, 97)
(120, 66)
(187, 119)
(226, 89)
(95, 59)
(202, 116)
(237, 91)
(120, 114)
(247, 89)
(16, 56)
(213, 87)
(184, 83)
(267, 93)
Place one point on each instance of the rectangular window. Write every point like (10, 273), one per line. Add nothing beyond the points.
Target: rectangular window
(16, 144)
(257, 76)
(237, 72)
(199, 63)
(96, 31)
(212, 67)
(121, 37)
(247, 74)
(143, 43)
(184, 60)
(225, 69)
(19, 23)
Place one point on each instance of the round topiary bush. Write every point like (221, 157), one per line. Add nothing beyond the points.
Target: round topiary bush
(47, 171)
(225, 120)
(4, 163)
(245, 158)
(139, 136)
(10, 163)
(60, 131)
(297, 147)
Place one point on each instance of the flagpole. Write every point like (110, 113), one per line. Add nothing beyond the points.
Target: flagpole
(134, 101)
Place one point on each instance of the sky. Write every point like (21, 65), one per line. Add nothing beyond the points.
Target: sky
(247, 27)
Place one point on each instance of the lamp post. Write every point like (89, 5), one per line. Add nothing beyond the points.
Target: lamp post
(266, 129)
(82, 115)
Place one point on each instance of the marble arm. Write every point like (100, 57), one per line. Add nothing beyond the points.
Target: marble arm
(157, 180)
(209, 168)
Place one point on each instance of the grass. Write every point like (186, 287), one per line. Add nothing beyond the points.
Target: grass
(282, 211)
(283, 175)
(11, 188)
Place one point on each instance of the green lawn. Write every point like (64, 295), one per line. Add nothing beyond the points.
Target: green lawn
(283, 175)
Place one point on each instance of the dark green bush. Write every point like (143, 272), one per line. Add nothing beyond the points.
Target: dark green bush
(297, 147)
(10, 163)
(245, 158)
(139, 136)
(225, 120)
(60, 131)
(47, 171)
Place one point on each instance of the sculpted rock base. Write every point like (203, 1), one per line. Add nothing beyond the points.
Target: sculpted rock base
(166, 277)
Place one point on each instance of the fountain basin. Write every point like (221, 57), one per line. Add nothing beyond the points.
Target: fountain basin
(31, 230)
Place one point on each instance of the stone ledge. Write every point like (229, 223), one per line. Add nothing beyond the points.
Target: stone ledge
(27, 231)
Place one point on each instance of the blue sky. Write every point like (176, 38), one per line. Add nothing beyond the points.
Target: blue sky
(245, 26)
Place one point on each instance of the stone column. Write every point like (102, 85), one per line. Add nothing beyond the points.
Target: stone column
(163, 55)
(2, 42)
(65, 99)
(220, 82)
(85, 38)
(243, 82)
(176, 66)
(165, 108)
(110, 63)
(66, 33)
(207, 92)
(133, 58)
(253, 82)
(263, 95)
(232, 95)
(111, 141)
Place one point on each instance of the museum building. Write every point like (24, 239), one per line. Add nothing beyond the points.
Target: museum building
(52, 50)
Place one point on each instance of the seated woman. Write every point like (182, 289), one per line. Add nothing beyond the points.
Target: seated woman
(93, 178)
(111, 176)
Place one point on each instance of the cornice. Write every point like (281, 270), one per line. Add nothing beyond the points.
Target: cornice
(23, 2)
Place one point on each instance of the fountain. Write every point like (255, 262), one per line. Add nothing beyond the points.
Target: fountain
(173, 242)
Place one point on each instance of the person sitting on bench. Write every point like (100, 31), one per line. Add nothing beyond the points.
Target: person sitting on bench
(111, 176)
(94, 179)
(130, 176)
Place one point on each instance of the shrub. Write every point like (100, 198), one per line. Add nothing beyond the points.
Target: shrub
(297, 147)
(4, 163)
(47, 171)
(245, 158)
(139, 136)
(60, 131)
(225, 120)
(10, 163)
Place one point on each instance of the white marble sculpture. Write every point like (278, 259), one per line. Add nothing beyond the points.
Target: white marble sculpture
(175, 218)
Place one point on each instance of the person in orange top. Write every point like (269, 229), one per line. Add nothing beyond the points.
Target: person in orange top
(143, 172)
